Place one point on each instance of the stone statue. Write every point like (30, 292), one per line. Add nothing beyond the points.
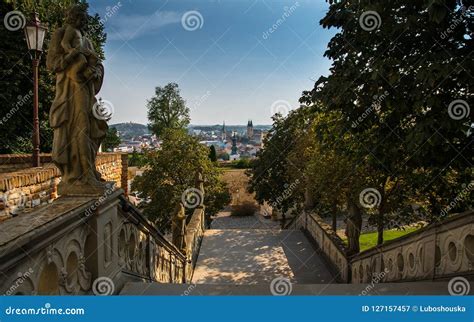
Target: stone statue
(77, 132)
(178, 227)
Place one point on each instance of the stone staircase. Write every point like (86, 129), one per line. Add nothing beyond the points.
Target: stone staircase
(244, 255)
(258, 256)
(253, 256)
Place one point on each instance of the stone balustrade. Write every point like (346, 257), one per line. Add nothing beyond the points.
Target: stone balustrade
(437, 251)
(80, 245)
(194, 234)
(440, 250)
(22, 186)
(328, 242)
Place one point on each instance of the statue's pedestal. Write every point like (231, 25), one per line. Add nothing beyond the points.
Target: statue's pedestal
(86, 190)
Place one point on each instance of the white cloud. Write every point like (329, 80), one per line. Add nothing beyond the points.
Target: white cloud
(127, 27)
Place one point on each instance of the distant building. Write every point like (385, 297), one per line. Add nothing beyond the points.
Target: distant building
(250, 130)
(234, 154)
(223, 136)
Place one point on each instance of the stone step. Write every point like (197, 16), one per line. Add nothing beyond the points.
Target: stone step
(409, 288)
(257, 256)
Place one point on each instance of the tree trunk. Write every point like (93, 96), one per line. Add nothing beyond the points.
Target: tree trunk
(380, 219)
(334, 219)
(380, 229)
(353, 226)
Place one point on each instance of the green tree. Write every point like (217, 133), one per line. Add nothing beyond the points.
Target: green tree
(212, 153)
(136, 159)
(274, 171)
(16, 99)
(393, 86)
(223, 156)
(111, 141)
(171, 171)
(167, 110)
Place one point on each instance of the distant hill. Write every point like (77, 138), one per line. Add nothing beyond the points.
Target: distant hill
(130, 130)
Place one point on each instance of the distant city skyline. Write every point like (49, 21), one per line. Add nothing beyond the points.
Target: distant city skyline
(243, 57)
(200, 125)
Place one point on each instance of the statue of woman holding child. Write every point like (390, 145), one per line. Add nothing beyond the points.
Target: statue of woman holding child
(78, 126)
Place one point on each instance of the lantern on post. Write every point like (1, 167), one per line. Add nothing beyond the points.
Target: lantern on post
(35, 32)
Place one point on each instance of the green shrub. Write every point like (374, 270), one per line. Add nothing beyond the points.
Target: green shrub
(244, 209)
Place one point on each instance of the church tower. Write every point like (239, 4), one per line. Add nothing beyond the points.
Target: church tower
(234, 145)
(250, 130)
(223, 136)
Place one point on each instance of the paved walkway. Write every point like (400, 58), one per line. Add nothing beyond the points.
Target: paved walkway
(253, 250)
(223, 220)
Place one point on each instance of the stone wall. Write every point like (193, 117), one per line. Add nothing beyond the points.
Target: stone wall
(82, 245)
(23, 187)
(328, 242)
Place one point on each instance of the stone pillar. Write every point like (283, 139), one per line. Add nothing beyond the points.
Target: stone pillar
(101, 251)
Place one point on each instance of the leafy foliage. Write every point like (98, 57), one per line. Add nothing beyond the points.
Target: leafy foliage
(244, 209)
(403, 84)
(381, 118)
(167, 110)
(212, 153)
(277, 166)
(111, 140)
(136, 159)
(16, 99)
(172, 170)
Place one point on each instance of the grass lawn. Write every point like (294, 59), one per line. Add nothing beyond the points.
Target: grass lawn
(369, 240)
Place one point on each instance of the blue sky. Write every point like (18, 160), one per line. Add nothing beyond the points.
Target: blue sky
(231, 67)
